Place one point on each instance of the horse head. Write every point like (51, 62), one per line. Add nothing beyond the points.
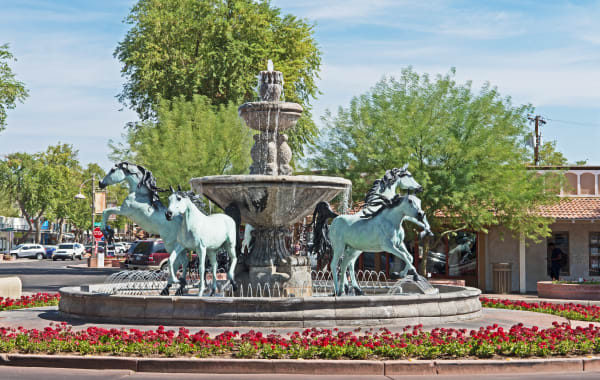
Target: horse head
(117, 174)
(414, 207)
(177, 205)
(403, 179)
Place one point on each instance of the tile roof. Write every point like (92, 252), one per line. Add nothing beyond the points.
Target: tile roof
(573, 208)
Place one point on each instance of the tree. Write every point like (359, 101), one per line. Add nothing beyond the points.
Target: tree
(465, 148)
(190, 139)
(215, 48)
(11, 90)
(63, 159)
(549, 156)
(28, 182)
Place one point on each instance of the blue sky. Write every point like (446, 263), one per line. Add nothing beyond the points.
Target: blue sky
(540, 52)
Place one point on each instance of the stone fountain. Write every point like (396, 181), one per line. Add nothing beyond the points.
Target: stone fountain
(270, 198)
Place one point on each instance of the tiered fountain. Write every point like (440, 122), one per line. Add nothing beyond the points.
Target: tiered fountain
(271, 200)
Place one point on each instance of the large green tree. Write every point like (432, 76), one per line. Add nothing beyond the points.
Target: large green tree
(189, 139)
(466, 148)
(11, 90)
(216, 48)
(63, 159)
(27, 181)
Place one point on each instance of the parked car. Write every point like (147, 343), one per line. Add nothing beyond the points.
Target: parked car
(50, 250)
(89, 248)
(121, 248)
(148, 254)
(68, 251)
(28, 250)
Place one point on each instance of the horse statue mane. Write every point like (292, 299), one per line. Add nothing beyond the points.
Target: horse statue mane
(385, 182)
(382, 203)
(147, 180)
(195, 198)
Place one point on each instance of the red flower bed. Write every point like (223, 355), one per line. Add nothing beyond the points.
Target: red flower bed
(36, 300)
(568, 310)
(413, 342)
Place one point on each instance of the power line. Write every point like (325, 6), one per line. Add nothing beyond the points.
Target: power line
(574, 123)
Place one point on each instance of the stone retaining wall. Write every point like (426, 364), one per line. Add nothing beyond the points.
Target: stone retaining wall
(547, 289)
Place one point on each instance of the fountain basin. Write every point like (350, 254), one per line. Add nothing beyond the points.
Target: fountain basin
(452, 303)
(271, 201)
(270, 116)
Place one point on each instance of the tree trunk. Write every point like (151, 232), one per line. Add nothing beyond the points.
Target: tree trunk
(38, 231)
(61, 223)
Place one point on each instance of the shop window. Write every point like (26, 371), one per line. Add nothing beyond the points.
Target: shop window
(455, 256)
(594, 253)
(559, 241)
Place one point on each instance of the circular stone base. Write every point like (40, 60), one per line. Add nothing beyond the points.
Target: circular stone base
(453, 303)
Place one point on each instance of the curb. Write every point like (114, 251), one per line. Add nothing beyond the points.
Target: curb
(306, 367)
(85, 267)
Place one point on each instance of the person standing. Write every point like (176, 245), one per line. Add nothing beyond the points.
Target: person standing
(555, 260)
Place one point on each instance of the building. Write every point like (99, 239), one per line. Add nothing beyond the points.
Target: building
(576, 232)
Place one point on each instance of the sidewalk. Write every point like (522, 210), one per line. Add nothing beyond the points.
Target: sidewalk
(534, 298)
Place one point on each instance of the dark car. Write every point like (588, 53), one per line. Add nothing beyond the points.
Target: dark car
(148, 254)
(90, 249)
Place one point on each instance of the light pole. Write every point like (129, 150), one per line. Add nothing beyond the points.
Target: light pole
(81, 196)
(99, 258)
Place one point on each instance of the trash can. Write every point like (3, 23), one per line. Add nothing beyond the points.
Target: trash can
(502, 278)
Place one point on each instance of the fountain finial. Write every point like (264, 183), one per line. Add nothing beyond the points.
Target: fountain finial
(270, 65)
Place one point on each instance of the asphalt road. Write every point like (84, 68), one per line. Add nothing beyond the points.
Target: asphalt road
(49, 276)
(27, 373)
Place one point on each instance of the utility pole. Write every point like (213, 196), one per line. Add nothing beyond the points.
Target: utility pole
(539, 121)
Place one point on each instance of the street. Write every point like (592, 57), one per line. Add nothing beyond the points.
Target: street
(49, 276)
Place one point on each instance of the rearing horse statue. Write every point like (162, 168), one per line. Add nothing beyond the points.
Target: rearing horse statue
(385, 187)
(143, 206)
(350, 235)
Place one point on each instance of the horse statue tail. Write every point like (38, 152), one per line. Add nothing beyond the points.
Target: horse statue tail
(321, 242)
(233, 211)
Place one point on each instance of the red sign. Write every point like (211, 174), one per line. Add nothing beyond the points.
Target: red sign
(98, 234)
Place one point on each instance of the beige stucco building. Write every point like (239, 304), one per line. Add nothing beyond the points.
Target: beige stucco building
(576, 232)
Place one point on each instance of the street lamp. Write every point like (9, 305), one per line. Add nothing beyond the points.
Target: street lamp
(81, 196)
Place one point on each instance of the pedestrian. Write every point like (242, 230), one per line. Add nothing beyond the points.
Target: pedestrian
(555, 260)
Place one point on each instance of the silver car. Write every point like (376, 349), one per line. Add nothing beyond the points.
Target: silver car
(34, 251)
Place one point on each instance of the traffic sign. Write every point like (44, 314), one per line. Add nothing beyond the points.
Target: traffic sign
(97, 224)
(98, 234)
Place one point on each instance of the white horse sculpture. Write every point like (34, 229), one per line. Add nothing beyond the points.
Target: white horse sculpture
(144, 207)
(205, 235)
(350, 235)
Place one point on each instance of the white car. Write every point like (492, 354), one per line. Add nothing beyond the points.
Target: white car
(34, 251)
(121, 248)
(68, 251)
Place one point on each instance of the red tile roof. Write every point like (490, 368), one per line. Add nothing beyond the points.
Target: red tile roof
(573, 208)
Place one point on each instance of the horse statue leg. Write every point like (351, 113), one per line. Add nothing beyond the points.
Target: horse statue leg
(171, 277)
(106, 214)
(338, 250)
(212, 257)
(402, 253)
(232, 264)
(181, 262)
(201, 252)
(351, 266)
